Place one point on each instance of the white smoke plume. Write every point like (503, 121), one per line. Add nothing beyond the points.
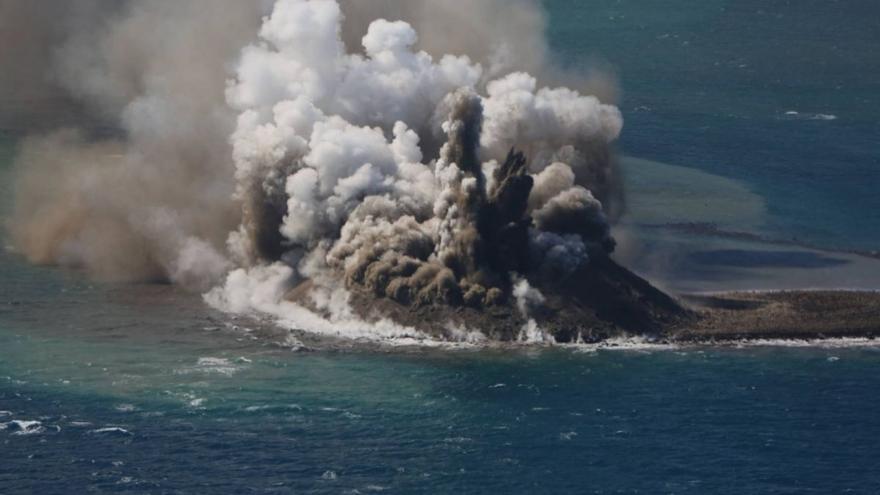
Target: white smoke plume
(337, 184)
(324, 147)
(141, 189)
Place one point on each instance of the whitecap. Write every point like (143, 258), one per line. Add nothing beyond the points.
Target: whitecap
(624, 344)
(329, 475)
(829, 343)
(112, 430)
(217, 365)
(212, 361)
(795, 115)
(291, 407)
(24, 427)
(567, 435)
(190, 399)
(643, 344)
(221, 366)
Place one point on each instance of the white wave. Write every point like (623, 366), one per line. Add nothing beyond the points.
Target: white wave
(274, 407)
(217, 365)
(794, 115)
(112, 430)
(637, 343)
(830, 343)
(645, 344)
(260, 292)
(221, 366)
(567, 435)
(25, 427)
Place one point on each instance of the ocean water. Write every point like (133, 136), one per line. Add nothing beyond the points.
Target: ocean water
(143, 389)
(783, 95)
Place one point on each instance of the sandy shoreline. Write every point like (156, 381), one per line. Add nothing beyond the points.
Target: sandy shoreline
(788, 315)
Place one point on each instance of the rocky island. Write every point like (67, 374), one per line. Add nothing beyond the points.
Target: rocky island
(527, 258)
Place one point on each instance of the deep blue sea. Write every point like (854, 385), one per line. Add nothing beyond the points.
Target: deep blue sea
(755, 116)
(781, 94)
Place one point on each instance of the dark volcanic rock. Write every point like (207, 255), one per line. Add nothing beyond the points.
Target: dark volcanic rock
(782, 315)
(600, 301)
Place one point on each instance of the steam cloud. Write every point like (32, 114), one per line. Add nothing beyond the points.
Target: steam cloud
(342, 150)
(140, 190)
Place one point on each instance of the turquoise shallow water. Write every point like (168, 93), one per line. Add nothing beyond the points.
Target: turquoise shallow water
(142, 389)
(173, 403)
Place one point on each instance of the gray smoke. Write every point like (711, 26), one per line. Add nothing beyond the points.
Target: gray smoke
(398, 147)
(397, 172)
(138, 187)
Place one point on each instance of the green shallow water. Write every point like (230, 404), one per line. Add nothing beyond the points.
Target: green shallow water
(202, 413)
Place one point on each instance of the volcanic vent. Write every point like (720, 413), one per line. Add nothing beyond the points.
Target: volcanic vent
(446, 196)
(512, 260)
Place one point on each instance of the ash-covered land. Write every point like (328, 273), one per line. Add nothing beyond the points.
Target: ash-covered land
(380, 170)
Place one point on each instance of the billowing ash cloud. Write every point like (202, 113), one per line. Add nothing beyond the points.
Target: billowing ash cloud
(337, 182)
(396, 147)
(141, 189)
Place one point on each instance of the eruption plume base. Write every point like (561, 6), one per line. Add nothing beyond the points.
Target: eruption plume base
(602, 300)
(383, 172)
